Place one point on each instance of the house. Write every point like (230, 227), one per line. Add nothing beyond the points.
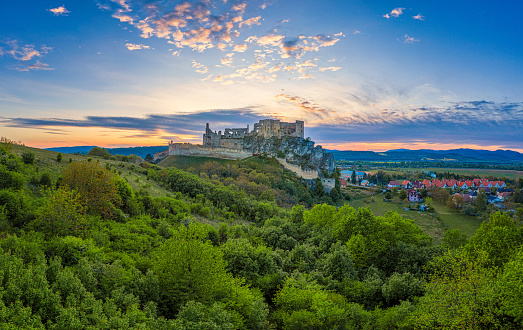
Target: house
(426, 183)
(462, 185)
(504, 195)
(406, 184)
(470, 183)
(493, 199)
(359, 176)
(343, 183)
(414, 196)
(364, 183)
(393, 184)
(416, 184)
(346, 174)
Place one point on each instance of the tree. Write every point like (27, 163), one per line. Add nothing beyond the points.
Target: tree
(388, 195)
(319, 190)
(59, 157)
(63, 214)
(189, 268)
(149, 158)
(454, 239)
(95, 186)
(459, 295)
(481, 202)
(403, 194)
(353, 177)
(28, 157)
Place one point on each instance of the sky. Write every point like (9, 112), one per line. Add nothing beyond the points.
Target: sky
(363, 75)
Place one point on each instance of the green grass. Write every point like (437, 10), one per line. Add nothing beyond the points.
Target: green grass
(453, 220)
(434, 225)
(45, 160)
(185, 162)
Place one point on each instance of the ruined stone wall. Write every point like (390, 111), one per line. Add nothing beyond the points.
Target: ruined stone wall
(305, 174)
(187, 149)
(328, 184)
(235, 144)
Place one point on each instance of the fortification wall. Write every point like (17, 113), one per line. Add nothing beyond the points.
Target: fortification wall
(187, 149)
(306, 174)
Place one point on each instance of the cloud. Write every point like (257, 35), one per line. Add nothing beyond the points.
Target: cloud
(419, 17)
(21, 53)
(38, 66)
(409, 40)
(152, 124)
(136, 46)
(240, 48)
(307, 107)
(200, 68)
(396, 12)
(331, 68)
(59, 11)
(201, 25)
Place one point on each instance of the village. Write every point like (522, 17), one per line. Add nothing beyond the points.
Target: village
(496, 191)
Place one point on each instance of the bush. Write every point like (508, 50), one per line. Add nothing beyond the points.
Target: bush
(9, 179)
(28, 157)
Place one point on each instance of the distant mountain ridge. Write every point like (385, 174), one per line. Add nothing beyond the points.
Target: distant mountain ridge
(395, 155)
(456, 155)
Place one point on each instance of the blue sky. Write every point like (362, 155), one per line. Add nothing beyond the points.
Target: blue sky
(364, 75)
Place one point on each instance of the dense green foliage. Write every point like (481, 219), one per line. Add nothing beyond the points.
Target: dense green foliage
(87, 251)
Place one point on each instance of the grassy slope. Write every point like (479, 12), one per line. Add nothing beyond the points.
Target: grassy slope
(434, 225)
(46, 162)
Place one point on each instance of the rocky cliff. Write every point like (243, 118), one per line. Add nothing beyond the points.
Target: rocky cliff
(297, 151)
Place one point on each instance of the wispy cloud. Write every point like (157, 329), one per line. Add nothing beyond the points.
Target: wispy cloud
(419, 17)
(408, 39)
(22, 53)
(396, 12)
(136, 46)
(59, 11)
(38, 66)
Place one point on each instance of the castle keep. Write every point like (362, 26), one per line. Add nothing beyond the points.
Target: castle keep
(233, 138)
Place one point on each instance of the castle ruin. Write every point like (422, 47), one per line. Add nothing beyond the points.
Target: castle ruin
(233, 138)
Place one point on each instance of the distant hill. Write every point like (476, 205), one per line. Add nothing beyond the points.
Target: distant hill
(454, 155)
(138, 151)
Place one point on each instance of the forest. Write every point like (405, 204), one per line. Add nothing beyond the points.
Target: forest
(94, 243)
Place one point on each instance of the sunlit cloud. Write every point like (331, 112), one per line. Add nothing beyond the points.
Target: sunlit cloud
(136, 46)
(59, 11)
(419, 17)
(396, 12)
(23, 53)
(200, 68)
(331, 68)
(204, 25)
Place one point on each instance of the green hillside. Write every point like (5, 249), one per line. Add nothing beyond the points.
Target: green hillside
(95, 243)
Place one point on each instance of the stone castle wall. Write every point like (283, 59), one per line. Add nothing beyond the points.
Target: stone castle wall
(305, 174)
(187, 149)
